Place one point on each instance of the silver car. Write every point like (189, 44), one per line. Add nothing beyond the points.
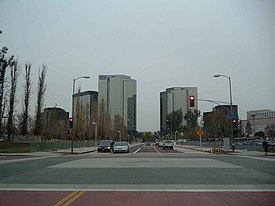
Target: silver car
(122, 146)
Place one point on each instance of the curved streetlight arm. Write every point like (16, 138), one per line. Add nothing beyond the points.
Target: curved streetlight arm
(216, 102)
(74, 80)
(230, 90)
(221, 75)
(83, 77)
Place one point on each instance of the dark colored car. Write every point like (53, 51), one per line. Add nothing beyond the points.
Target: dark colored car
(105, 146)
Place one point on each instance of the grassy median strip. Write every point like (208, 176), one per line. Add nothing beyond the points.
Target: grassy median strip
(69, 198)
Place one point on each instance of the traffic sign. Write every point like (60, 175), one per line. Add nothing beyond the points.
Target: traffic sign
(232, 116)
(200, 132)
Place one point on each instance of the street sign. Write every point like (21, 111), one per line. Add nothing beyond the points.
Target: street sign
(200, 132)
(232, 116)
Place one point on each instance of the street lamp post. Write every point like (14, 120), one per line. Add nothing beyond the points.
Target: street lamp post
(176, 133)
(253, 118)
(231, 107)
(161, 133)
(119, 133)
(94, 123)
(74, 80)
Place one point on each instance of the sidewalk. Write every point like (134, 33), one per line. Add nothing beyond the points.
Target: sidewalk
(258, 154)
(76, 151)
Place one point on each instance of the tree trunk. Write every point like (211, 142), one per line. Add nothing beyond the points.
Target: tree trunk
(25, 115)
(40, 100)
(14, 76)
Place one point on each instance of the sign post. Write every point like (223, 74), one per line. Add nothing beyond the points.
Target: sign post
(200, 132)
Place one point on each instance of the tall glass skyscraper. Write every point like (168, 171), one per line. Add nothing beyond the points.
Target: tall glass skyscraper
(119, 94)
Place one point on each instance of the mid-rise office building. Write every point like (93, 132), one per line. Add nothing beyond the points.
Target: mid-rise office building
(259, 120)
(119, 94)
(222, 113)
(55, 122)
(85, 112)
(87, 100)
(260, 114)
(174, 99)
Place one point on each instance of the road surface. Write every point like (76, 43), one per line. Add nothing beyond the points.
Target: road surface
(148, 175)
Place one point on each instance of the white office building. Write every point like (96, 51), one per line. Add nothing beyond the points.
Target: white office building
(260, 114)
(119, 94)
(260, 120)
(174, 99)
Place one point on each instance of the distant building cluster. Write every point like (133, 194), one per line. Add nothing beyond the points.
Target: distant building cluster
(117, 94)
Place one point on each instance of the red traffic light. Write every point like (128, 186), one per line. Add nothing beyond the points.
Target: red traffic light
(234, 123)
(71, 123)
(192, 101)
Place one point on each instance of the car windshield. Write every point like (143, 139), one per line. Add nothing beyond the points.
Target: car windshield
(121, 143)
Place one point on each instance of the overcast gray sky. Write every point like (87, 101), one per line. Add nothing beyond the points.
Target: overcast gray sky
(160, 43)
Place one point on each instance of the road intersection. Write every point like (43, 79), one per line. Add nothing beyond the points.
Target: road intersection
(166, 175)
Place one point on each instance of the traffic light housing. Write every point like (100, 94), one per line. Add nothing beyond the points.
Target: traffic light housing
(234, 123)
(191, 101)
(71, 123)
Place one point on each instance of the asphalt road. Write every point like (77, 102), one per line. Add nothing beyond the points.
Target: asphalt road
(148, 174)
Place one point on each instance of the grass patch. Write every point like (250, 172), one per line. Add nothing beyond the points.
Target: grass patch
(9, 147)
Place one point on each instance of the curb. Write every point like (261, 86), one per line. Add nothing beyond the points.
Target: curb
(78, 153)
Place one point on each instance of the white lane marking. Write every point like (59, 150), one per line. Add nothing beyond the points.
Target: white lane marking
(129, 162)
(137, 150)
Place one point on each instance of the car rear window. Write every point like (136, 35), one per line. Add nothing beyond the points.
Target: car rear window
(104, 143)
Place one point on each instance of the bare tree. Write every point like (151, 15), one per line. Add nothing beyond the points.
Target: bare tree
(119, 126)
(25, 115)
(5, 62)
(103, 121)
(14, 77)
(220, 125)
(40, 100)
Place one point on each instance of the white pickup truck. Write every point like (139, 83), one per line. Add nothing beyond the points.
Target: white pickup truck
(167, 144)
